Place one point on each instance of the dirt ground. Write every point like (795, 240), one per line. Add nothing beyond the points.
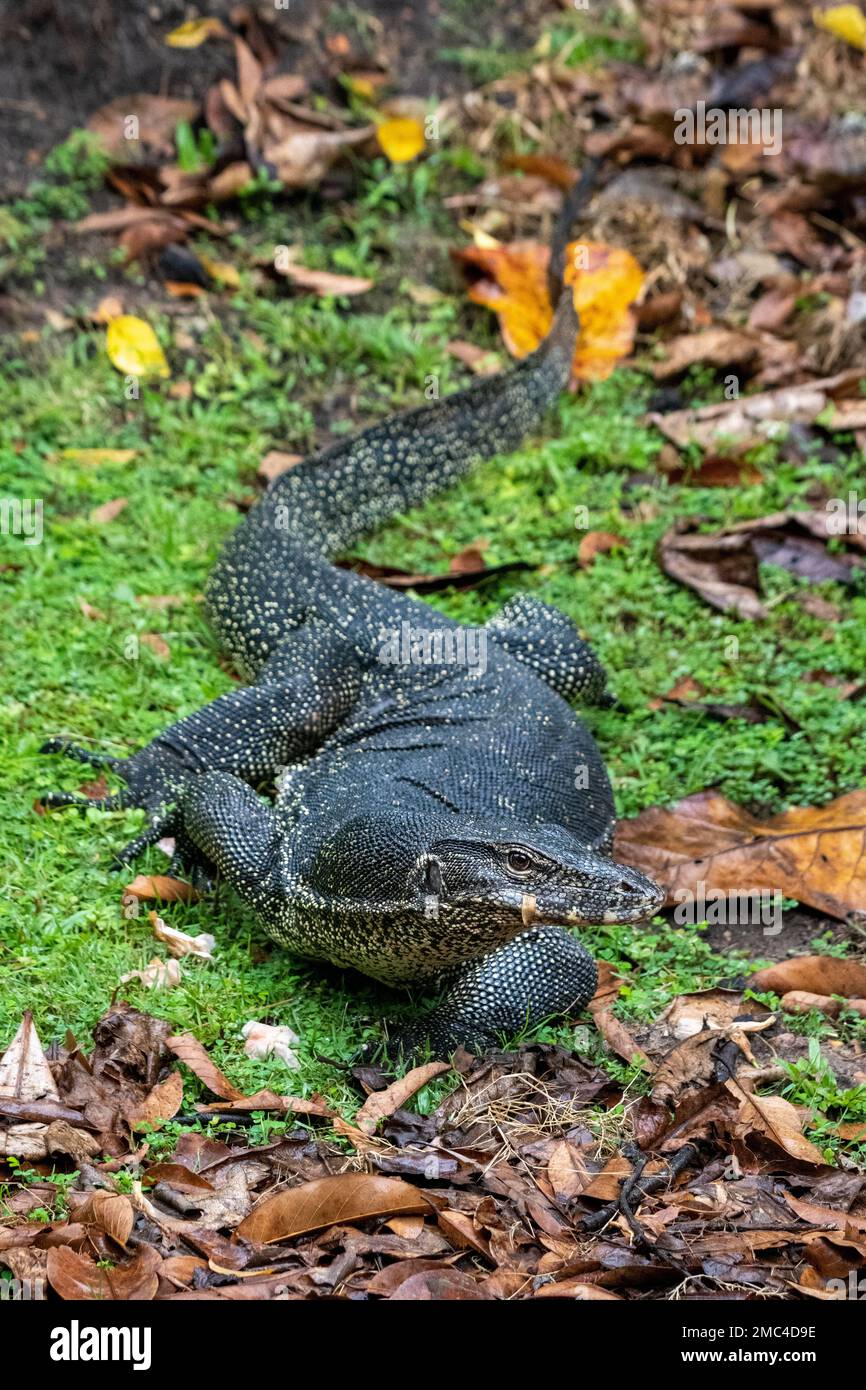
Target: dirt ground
(62, 59)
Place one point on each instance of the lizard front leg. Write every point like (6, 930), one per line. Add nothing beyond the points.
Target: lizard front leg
(540, 973)
(303, 693)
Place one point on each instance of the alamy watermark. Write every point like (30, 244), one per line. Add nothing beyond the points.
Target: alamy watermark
(22, 517)
(77, 1343)
(753, 907)
(419, 646)
(716, 125)
(846, 516)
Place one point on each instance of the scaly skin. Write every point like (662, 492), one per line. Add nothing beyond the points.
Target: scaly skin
(435, 822)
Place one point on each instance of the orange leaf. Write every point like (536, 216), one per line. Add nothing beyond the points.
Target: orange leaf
(606, 280)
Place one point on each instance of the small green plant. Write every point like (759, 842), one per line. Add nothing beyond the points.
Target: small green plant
(196, 150)
(812, 1082)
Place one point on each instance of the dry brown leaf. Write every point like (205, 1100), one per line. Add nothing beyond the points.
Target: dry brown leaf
(74, 1277)
(111, 1211)
(323, 282)
(161, 887)
(567, 1172)
(723, 566)
(479, 360)
(157, 644)
(157, 118)
(717, 347)
(157, 974)
(597, 543)
(800, 1001)
(189, 1050)
(813, 854)
(180, 943)
(332, 1201)
(108, 511)
(815, 974)
(729, 428)
(778, 1120)
(161, 1103)
(380, 1104)
(275, 462)
(618, 1038)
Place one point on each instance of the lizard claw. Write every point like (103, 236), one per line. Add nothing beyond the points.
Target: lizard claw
(98, 803)
(78, 754)
(143, 789)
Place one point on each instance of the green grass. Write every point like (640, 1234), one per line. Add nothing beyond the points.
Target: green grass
(270, 371)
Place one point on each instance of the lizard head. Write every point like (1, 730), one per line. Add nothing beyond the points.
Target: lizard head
(416, 894)
(534, 874)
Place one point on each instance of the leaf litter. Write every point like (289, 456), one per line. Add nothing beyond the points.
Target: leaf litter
(538, 1174)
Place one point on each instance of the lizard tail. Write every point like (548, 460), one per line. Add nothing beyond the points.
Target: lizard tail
(271, 571)
(333, 497)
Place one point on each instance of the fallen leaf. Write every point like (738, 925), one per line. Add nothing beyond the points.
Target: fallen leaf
(815, 974)
(723, 566)
(597, 543)
(158, 974)
(88, 611)
(304, 155)
(717, 347)
(111, 1211)
(180, 943)
(160, 1103)
(131, 127)
(567, 1171)
(161, 887)
(275, 462)
(729, 428)
(846, 22)
(108, 511)
(776, 1118)
(75, 1277)
(465, 571)
(190, 1051)
(323, 282)
(157, 644)
(194, 32)
(133, 348)
(94, 458)
(813, 854)
(380, 1104)
(331, 1201)
(438, 1285)
(800, 1001)
(479, 360)
(606, 282)
(182, 290)
(401, 140)
(222, 272)
(110, 307)
(618, 1038)
(265, 1040)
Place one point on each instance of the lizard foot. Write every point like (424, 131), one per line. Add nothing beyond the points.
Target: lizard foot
(147, 786)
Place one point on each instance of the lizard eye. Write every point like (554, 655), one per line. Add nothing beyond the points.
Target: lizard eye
(519, 862)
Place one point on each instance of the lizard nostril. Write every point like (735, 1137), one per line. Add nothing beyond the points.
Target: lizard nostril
(626, 886)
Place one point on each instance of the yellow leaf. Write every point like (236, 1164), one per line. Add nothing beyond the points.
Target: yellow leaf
(92, 458)
(132, 347)
(847, 22)
(401, 139)
(194, 32)
(606, 281)
(222, 272)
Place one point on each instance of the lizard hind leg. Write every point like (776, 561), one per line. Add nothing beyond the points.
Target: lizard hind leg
(540, 973)
(545, 639)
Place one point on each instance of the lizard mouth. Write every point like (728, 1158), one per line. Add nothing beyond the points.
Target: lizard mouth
(596, 914)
